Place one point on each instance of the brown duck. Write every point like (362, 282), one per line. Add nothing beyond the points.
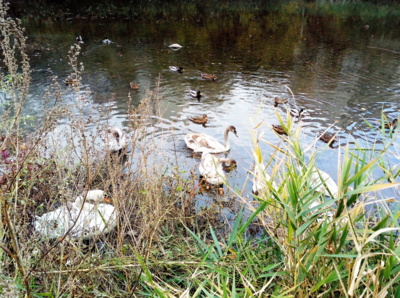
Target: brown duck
(207, 76)
(70, 81)
(279, 100)
(134, 86)
(328, 138)
(279, 129)
(199, 119)
(390, 125)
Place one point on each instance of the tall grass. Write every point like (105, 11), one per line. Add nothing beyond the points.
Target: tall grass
(296, 242)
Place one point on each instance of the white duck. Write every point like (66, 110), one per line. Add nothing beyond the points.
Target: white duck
(211, 168)
(116, 140)
(176, 68)
(79, 39)
(175, 46)
(297, 113)
(201, 142)
(81, 218)
(322, 182)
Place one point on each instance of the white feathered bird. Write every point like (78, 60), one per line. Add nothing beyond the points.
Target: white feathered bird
(211, 168)
(116, 140)
(260, 177)
(201, 142)
(81, 218)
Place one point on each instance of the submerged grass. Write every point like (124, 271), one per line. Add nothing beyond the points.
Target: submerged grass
(310, 238)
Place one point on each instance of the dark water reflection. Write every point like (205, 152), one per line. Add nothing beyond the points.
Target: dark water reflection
(339, 70)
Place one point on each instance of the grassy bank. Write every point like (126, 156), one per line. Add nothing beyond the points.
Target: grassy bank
(301, 238)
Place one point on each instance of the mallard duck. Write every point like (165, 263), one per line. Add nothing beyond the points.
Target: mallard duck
(323, 183)
(70, 81)
(207, 76)
(199, 120)
(297, 113)
(201, 142)
(278, 100)
(279, 129)
(116, 140)
(134, 86)
(390, 125)
(175, 46)
(81, 218)
(106, 41)
(195, 94)
(79, 39)
(328, 138)
(211, 168)
(176, 68)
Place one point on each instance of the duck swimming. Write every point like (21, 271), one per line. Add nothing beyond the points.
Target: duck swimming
(176, 68)
(328, 138)
(279, 129)
(390, 125)
(199, 119)
(115, 140)
(79, 39)
(207, 76)
(69, 81)
(297, 113)
(195, 94)
(134, 86)
(81, 218)
(279, 100)
(201, 142)
(175, 46)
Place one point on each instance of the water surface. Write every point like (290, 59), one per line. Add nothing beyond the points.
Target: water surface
(342, 71)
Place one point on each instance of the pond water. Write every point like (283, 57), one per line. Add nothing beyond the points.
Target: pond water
(342, 71)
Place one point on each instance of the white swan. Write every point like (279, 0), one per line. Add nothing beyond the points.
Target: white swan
(211, 168)
(260, 176)
(260, 179)
(116, 139)
(176, 68)
(324, 183)
(81, 218)
(201, 142)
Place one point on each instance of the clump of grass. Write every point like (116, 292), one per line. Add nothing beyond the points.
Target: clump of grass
(332, 245)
